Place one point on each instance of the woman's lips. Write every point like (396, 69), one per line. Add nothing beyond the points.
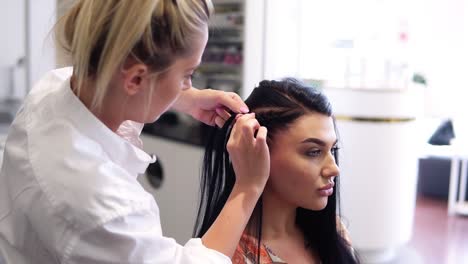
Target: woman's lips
(326, 190)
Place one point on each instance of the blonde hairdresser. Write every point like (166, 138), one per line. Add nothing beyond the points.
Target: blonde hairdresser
(68, 187)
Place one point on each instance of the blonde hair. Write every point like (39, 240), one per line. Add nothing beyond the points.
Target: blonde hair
(100, 35)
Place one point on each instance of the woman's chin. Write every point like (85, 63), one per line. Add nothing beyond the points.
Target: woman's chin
(316, 205)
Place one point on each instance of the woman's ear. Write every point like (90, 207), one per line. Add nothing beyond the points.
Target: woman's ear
(135, 78)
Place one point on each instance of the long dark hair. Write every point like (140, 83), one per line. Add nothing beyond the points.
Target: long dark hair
(276, 105)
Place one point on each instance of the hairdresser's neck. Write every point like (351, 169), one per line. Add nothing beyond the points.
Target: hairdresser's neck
(279, 217)
(108, 115)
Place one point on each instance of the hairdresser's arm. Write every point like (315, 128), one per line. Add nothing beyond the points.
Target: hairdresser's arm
(251, 162)
(209, 106)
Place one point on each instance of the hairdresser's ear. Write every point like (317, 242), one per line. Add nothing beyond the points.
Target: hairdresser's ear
(135, 78)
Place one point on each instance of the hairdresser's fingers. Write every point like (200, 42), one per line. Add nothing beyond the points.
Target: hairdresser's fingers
(261, 134)
(219, 121)
(233, 101)
(262, 155)
(249, 128)
(244, 125)
(236, 132)
(249, 155)
(221, 111)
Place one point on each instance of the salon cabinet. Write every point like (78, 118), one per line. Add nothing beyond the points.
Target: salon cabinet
(380, 146)
(173, 180)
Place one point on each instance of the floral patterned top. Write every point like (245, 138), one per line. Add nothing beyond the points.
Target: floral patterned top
(246, 250)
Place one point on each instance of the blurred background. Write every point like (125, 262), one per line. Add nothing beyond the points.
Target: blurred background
(394, 70)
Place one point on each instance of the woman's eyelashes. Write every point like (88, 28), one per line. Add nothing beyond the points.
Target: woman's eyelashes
(190, 75)
(187, 81)
(335, 150)
(316, 152)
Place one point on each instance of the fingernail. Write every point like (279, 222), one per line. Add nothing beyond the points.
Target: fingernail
(244, 109)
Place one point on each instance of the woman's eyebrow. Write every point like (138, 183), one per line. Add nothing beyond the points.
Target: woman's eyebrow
(317, 141)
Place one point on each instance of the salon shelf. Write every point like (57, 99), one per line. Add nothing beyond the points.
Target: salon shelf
(228, 2)
(227, 27)
(232, 41)
(226, 77)
(219, 67)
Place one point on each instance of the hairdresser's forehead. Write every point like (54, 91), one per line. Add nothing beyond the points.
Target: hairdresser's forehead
(312, 125)
(194, 58)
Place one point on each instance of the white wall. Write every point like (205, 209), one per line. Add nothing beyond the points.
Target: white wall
(440, 51)
(25, 26)
(254, 44)
(12, 46)
(41, 19)
(354, 43)
(282, 32)
(437, 44)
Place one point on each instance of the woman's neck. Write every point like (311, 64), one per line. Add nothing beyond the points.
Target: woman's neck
(280, 232)
(279, 217)
(106, 115)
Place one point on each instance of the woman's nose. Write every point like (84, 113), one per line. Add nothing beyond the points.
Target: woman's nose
(330, 168)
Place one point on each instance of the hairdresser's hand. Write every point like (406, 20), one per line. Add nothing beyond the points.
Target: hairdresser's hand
(210, 106)
(249, 153)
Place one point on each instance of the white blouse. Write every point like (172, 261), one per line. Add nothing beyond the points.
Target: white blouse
(69, 193)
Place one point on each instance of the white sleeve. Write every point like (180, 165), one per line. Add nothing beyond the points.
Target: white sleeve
(136, 238)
